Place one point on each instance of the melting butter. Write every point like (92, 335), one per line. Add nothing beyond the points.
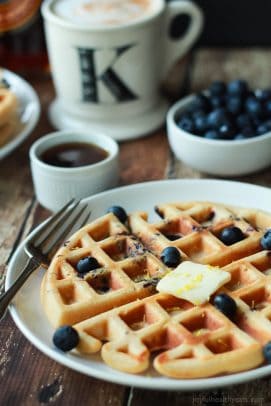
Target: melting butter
(193, 282)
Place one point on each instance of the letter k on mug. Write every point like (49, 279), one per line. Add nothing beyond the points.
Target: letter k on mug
(108, 59)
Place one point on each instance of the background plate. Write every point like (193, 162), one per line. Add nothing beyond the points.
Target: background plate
(29, 109)
(27, 311)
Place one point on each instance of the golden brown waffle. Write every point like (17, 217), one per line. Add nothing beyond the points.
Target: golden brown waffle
(186, 341)
(125, 266)
(8, 105)
(9, 119)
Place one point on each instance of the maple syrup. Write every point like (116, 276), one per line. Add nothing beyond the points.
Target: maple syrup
(73, 155)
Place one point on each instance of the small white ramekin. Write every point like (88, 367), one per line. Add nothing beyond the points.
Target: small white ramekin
(55, 186)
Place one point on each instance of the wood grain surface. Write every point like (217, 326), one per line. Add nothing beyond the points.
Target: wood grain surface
(27, 377)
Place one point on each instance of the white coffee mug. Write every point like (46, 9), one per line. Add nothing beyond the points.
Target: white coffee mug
(108, 75)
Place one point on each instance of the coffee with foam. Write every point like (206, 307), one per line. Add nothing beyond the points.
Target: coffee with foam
(104, 12)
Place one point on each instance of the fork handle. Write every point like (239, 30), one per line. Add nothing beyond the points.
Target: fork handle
(7, 296)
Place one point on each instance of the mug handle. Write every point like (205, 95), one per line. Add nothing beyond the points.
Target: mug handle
(175, 47)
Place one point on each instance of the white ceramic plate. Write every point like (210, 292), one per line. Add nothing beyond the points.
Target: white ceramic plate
(28, 314)
(29, 109)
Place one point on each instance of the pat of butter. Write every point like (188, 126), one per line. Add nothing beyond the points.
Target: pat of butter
(193, 282)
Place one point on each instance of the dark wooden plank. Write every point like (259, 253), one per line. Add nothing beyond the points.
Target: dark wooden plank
(30, 378)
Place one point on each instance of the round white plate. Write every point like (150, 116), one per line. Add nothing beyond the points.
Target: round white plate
(29, 109)
(28, 314)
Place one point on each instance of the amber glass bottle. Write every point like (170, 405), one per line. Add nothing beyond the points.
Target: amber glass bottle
(22, 45)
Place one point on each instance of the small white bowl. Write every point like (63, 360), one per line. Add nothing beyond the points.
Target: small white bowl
(217, 157)
(55, 186)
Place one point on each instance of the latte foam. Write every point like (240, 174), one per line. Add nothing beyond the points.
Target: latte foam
(104, 12)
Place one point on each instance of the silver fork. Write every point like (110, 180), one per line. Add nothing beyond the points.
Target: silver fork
(41, 247)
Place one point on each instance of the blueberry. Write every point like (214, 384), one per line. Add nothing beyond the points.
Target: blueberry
(256, 121)
(171, 256)
(201, 102)
(212, 135)
(263, 94)
(66, 338)
(268, 124)
(217, 88)
(225, 304)
(237, 87)
(239, 137)
(248, 132)
(262, 129)
(267, 108)
(266, 240)
(254, 106)
(187, 124)
(119, 212)
(231, 235)
(87, 264)
(217, 101)
(267, 352)
(243, 120)
(217, 117)
(4, 83)
(197, 113)
(227, 131)
(201, 124)
(234, 104)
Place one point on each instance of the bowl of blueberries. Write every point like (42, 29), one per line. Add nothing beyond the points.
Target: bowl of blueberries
(224, 131)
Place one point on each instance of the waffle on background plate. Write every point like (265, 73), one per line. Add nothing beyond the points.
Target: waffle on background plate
(10, 122)
(117, 310)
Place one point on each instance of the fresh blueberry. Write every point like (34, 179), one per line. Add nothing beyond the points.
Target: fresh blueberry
(262, 129)
(248, 132)
(4, 83)
(217, 88)
(239, 137)
(201, 102)
(254, 106)
(171, 256)
(243, 120)
(217, 117)
(187, 124)
(201, 124)
(66, 338)
(217, 101)
(227, 131)
(267, 123)
(266, 240)
(237, 87)
(267, 352)
(234, 104)
(256, 121)
(231, 235)
(267, 108)
(263, 94)
(197, 113)
(212, 135)
(87, 264)
(225, 304)
(119, 212)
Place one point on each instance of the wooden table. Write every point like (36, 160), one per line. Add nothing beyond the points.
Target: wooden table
(27, 377)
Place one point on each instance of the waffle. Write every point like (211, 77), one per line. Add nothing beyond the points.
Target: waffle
(9, 119)
(125, 265)
(8, 105)
(135, 327)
